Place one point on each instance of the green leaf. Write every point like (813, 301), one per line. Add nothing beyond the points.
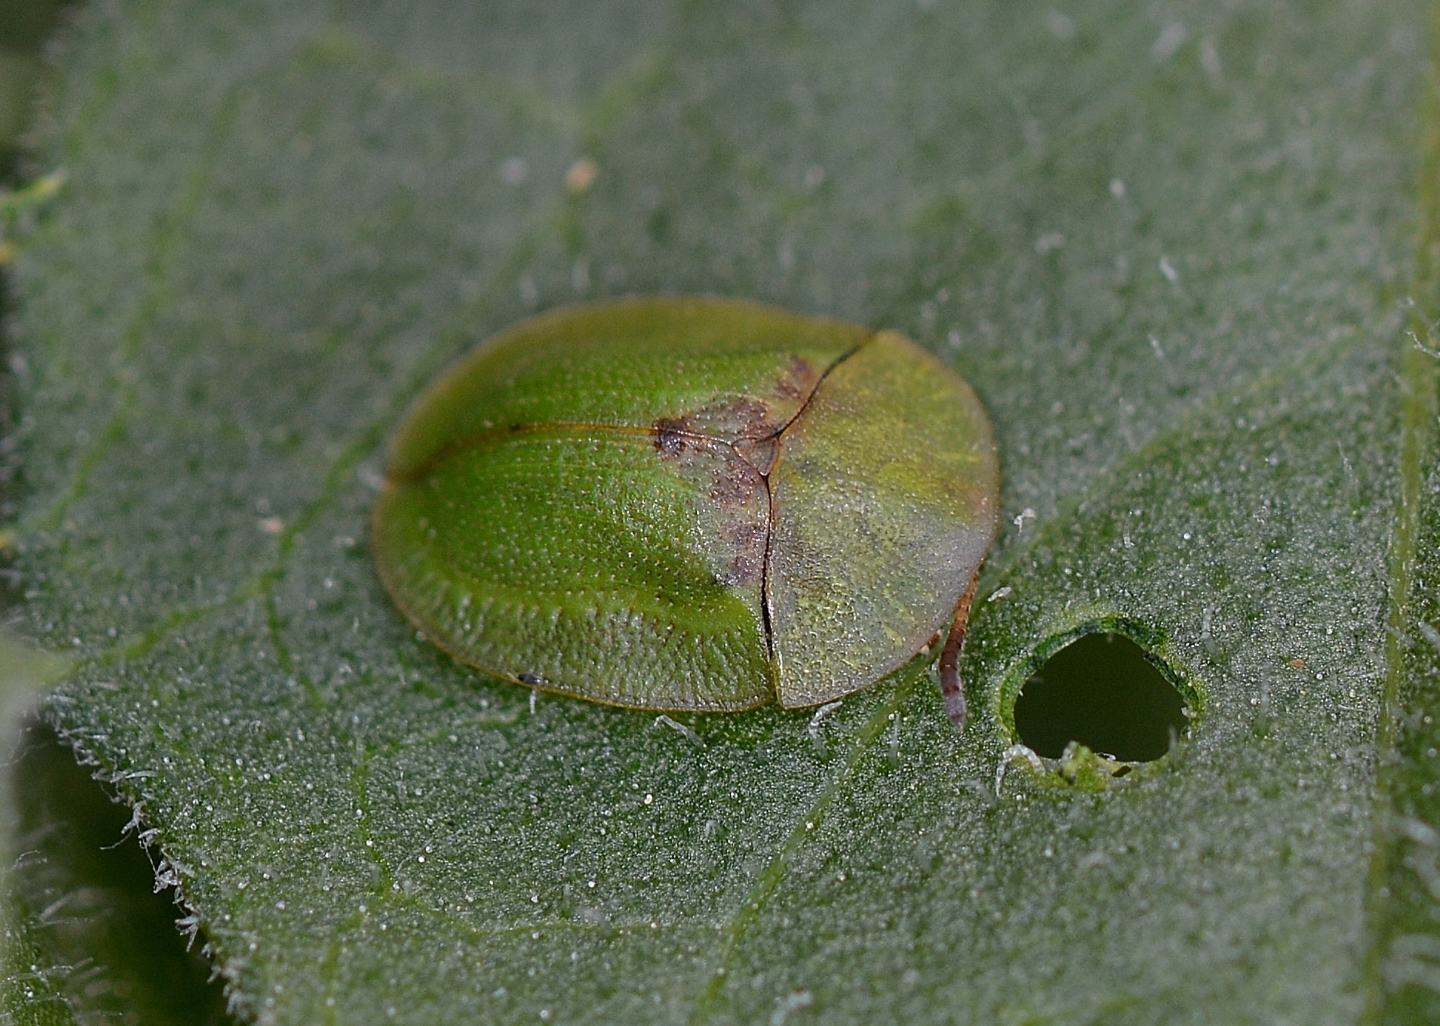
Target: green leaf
(30, 980)
(1173, 247)
(96, 935)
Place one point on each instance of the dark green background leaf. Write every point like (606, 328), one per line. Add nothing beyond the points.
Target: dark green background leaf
(31, 973)
(1171, 245)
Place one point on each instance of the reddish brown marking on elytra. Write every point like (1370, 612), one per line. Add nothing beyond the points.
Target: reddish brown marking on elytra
(737, 488)
(671, 436)
(735, 484)
(747, 535)
(749, 542)
(760, 453)
(797, 381)
(744, 417)
(740, 437)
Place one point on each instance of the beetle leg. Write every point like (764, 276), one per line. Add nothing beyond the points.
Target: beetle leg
(950, 684)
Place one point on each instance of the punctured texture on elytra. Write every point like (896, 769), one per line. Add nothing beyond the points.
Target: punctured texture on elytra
(688, 504)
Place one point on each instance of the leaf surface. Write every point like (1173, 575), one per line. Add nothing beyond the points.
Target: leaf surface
(1174, 249)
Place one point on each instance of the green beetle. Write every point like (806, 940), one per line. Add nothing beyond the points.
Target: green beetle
(691, 504)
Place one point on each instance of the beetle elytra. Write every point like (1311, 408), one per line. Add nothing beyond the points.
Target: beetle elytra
(691, 504)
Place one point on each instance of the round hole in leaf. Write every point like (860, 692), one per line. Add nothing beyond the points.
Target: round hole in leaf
(1104, 691)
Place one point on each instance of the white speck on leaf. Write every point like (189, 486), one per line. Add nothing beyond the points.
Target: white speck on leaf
(790, 1003)
(665, 721)
(1049, 242)
(1168, 43)
(818, 720)
(1016, 751)
(514, 170)
(580, 176)
(1060, 24)
(1210, 59)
